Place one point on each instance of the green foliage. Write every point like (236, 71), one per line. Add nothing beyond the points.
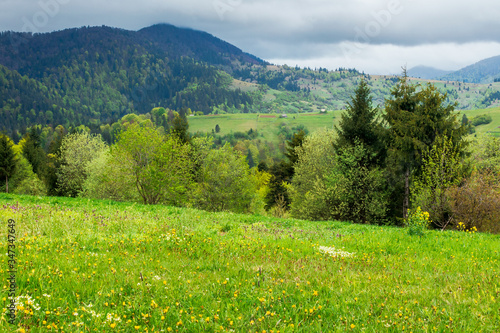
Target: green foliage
(31, 185)
(308, 191)
(292, 144)
(481, 120)
(358, 190)
(442, 168)
(360, 124)
(8, 161)
(416, 119)
(106, 179)
(159, 166)
(180, 127)
(485, 154)
(418, 222)
(33, 151)
(223, 181)
(76, 152)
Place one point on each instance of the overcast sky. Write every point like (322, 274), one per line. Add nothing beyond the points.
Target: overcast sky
(375, 36)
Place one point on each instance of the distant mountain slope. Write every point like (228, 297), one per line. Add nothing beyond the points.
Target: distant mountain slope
(484, 71)
(427, 73)
(96, 75)
(196, 44)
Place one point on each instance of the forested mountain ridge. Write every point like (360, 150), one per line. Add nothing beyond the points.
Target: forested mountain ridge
(95, 75)
(484, 71)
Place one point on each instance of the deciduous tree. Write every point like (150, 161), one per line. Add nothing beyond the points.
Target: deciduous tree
(159, 165)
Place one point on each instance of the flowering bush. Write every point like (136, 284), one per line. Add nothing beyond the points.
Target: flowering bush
(462, 227)
(417, 222)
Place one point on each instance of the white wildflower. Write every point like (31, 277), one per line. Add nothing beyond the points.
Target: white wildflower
(331, 251)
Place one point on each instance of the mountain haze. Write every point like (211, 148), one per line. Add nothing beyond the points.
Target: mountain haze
(484, 71)
(425, 72)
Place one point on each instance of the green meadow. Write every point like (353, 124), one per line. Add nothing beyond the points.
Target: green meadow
(267, 125)
(103, 266)
(492, 128)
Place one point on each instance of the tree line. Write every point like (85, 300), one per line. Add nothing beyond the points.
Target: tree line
(378, 166)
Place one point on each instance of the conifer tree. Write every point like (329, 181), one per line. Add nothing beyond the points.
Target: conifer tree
(416, 119)
(8, 161)
(360, 125)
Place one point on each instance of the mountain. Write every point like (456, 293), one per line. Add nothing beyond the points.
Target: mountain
(427, 73)
(484, 71)
(195, 44)
(95, 75)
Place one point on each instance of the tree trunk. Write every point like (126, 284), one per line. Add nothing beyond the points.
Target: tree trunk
(6, 184)
(406, 199)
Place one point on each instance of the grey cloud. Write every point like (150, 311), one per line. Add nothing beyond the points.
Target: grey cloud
(302, 30)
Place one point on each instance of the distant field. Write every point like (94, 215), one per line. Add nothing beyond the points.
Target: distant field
(268, 127)
(265, 125)
(492, 128)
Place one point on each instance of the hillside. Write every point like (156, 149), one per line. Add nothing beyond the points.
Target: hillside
(484, 71)
(96, 75)
(93, 76)
(160, 268)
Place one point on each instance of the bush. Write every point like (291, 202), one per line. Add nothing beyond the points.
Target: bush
(359, 191)
(106, 180)
(224, 182)
(477, 203)
(481, 120)
(31, 186)
(77, 151)
(418, 222)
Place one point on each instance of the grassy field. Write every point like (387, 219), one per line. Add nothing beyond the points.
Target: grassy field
(269, 127)
(103, 266)
(492, 128)
(265, 124)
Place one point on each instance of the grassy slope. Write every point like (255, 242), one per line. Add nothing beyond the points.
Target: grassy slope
(123, 267)
(334, 95)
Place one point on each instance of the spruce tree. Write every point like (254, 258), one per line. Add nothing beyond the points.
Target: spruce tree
(416, 119)
(8, 161)
(359, 124)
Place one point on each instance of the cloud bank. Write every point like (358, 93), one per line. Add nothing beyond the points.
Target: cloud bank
(377, 36)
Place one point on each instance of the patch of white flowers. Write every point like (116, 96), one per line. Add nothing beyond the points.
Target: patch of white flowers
(333, 252)
(29, 301)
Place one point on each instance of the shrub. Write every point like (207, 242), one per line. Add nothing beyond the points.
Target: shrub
(481, 120)
(106, 180)
(417, 222)
(442, 168)
(77, 151)
(477, 203)
(224, 182)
